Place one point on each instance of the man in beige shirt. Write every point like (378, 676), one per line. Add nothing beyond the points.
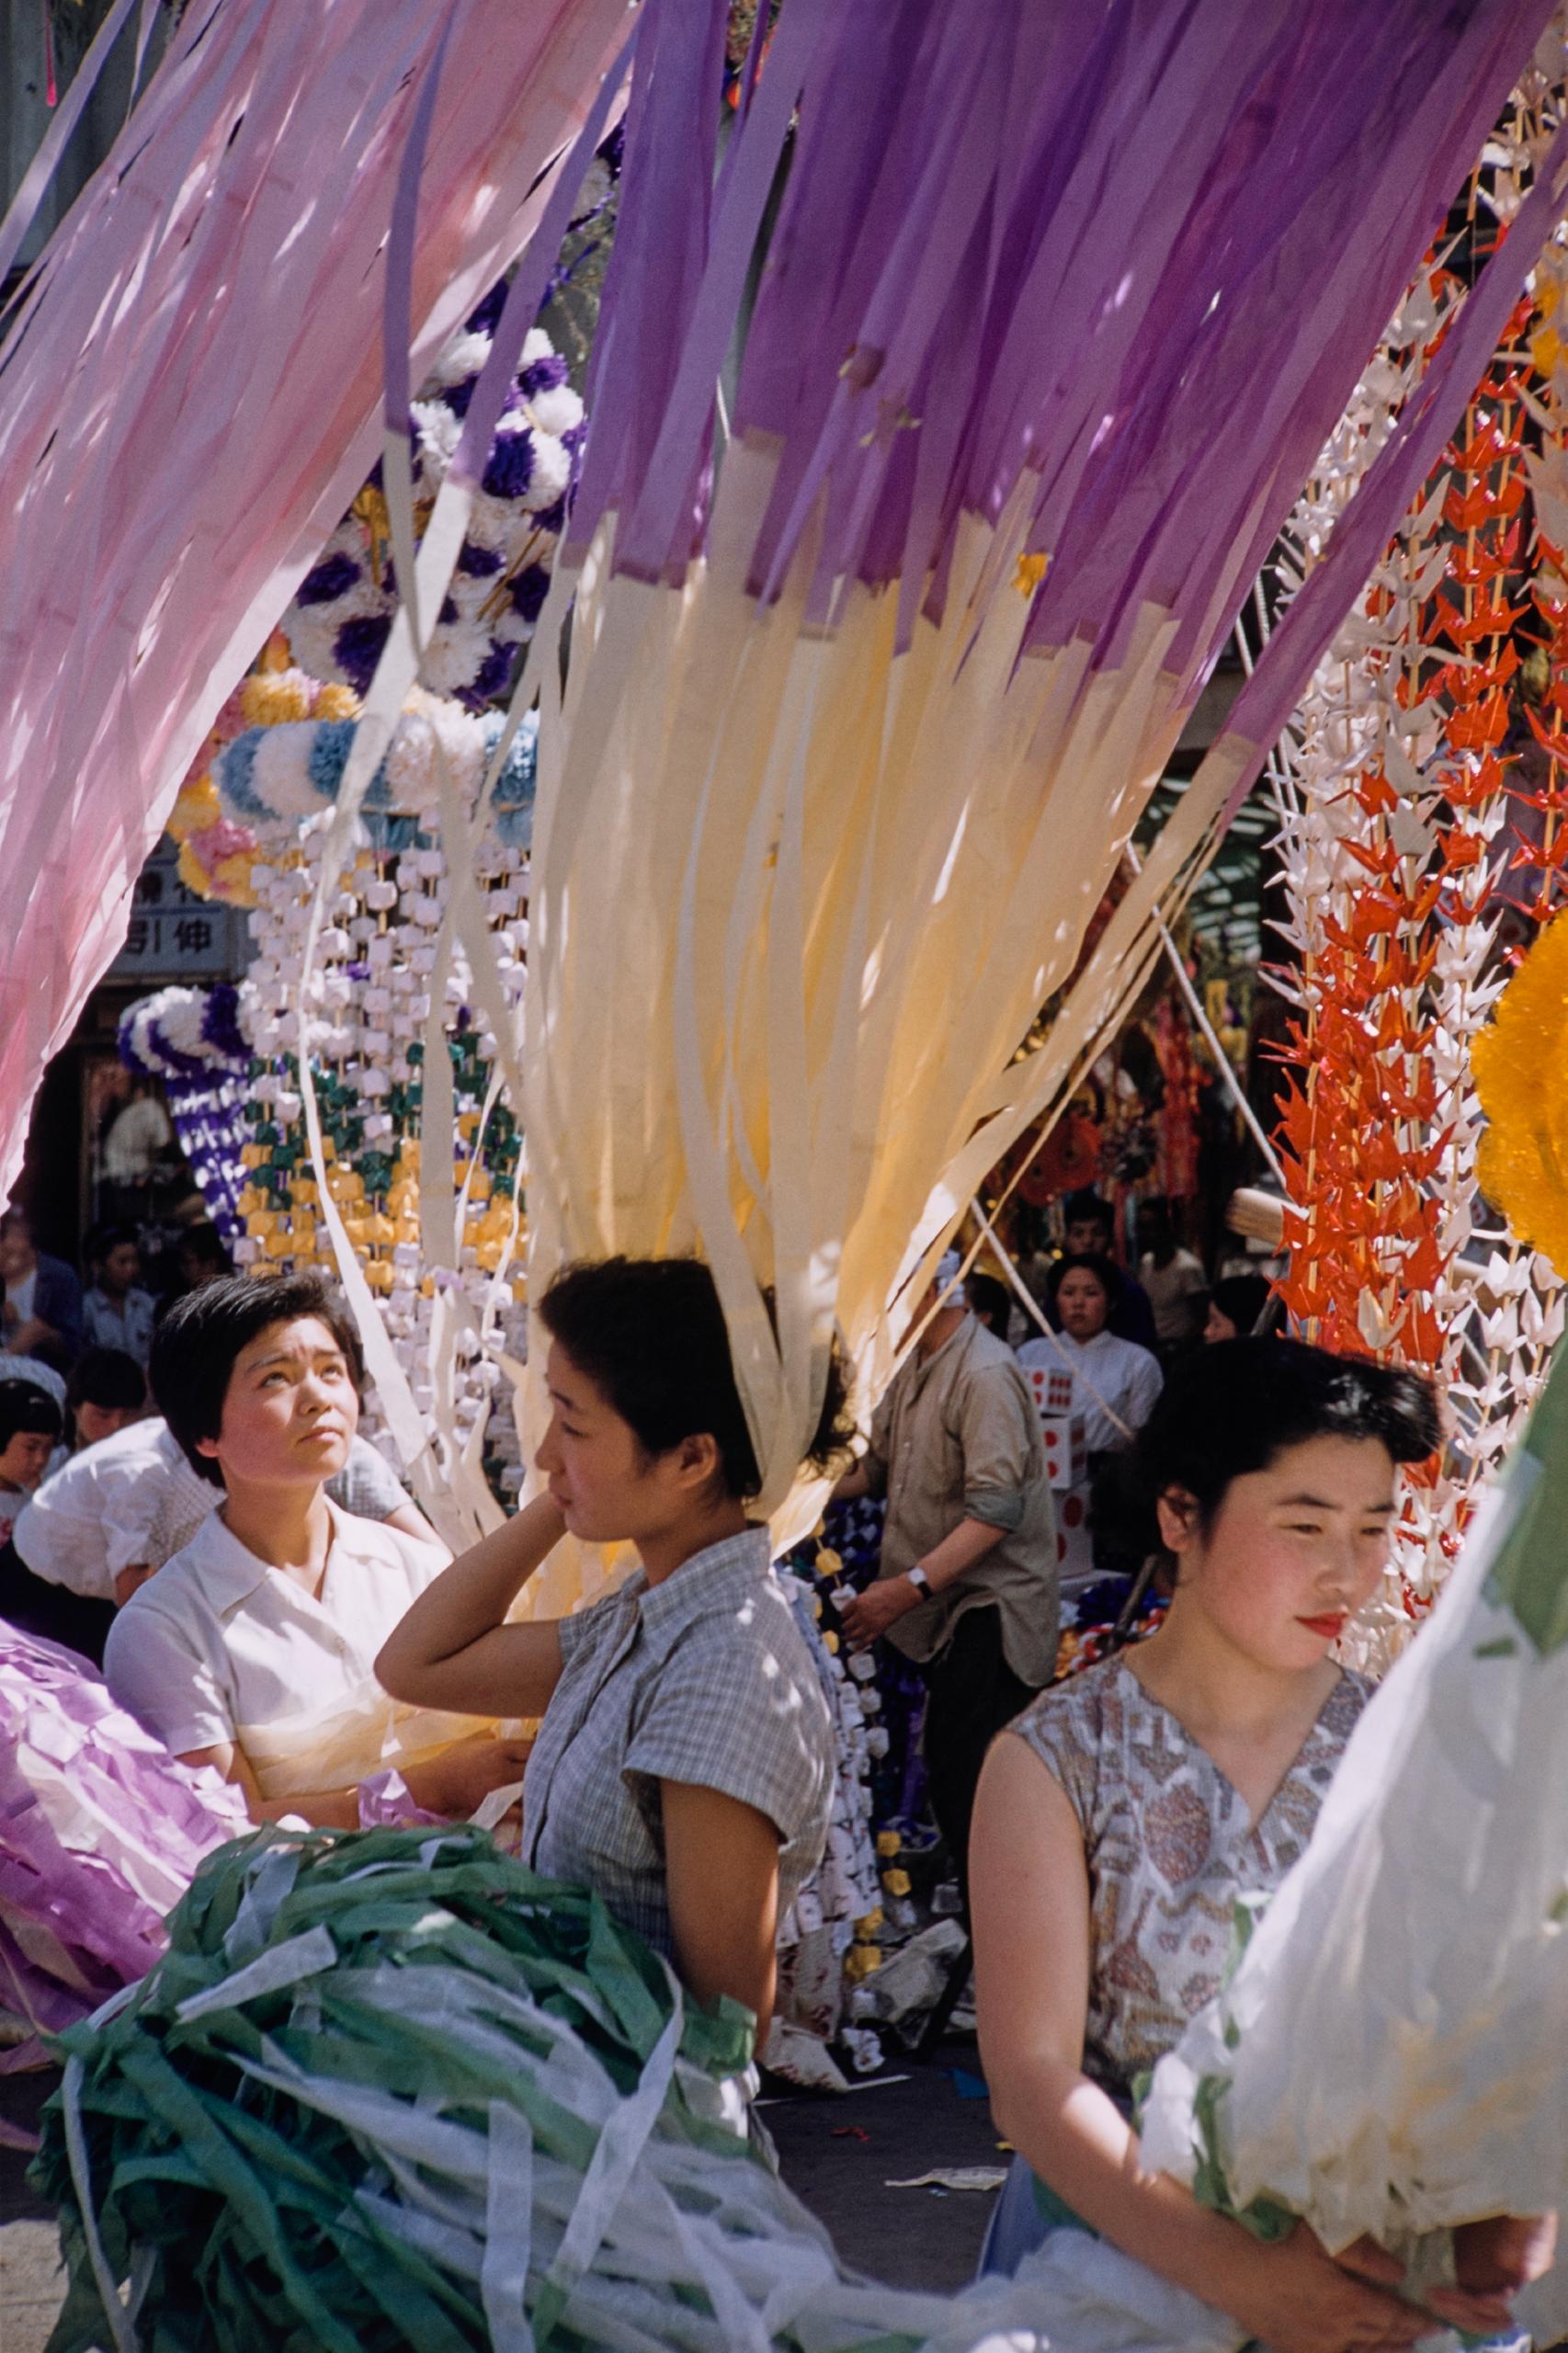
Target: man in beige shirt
(968, 1583)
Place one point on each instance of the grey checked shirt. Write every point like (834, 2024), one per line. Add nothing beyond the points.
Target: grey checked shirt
(704, 1678)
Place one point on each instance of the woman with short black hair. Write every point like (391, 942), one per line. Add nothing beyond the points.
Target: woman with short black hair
(684, 1766)
(1126, 1812)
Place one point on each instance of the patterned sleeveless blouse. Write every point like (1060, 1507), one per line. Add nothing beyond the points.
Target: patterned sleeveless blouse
(1170, 1847)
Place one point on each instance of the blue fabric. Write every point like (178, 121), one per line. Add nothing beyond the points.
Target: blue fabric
(57, 1301)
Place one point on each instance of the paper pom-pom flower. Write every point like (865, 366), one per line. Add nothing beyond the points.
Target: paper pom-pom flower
(342, 613)
(1519, 1064)
(274, 778)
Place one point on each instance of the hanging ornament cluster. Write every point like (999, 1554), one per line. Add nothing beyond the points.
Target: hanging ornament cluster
(342, 613)
(191, 1040)
(389, 987)
(217, 848)
(1401, 825)
(390, 991)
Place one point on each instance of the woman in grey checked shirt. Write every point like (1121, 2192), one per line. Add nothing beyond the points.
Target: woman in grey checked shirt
(684, 1767)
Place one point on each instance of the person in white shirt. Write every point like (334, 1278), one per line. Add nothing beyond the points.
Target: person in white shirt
(1114, 1382)
(1173, 1279)
(252, 1650)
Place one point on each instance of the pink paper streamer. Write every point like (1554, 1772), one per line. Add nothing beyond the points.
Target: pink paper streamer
(191, 398)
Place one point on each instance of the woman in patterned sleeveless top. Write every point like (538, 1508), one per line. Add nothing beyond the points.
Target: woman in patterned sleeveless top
(1124, 1813)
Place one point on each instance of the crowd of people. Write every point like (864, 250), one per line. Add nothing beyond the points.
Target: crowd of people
(278, 1613)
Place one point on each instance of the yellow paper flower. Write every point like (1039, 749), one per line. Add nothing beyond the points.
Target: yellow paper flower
(198, 806)
(276, 697)
(1517, 1062)
(336, 701)
(231, 879)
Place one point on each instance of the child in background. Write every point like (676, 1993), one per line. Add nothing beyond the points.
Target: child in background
(106, 1391)
(30, 1426)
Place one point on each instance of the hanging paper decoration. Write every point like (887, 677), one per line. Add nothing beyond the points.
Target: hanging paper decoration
(194, 394)
(342, 613)
(1396, 796)
(191, 1040)
(392, 990)
(850, 740)
(1520, 1064)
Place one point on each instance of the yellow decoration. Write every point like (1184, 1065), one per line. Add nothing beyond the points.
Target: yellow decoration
(232, 876)
(196, 807)
(861, 1961)
(479, 1184)
(896, 1882)
(380, 1230)
(259, 1221)
(830, 1565)
(888, 1844)
(378, 1274)
(337, 702)
(865, 1930)
(280, 1244)
(305, 1189)
(1031, 571)
(252, 1155)
(275, 698)
(1545, 350)
(1517, 1062)
(250, 1200)
(192, 874)
(490, 1255)
(830, 1642)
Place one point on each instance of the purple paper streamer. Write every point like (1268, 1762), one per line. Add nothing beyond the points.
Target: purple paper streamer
(52, 1701)
(1138, 254)
(522, 304)
(44, 165)
(397, 301)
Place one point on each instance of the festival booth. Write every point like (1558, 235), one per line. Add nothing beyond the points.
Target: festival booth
(664, 805)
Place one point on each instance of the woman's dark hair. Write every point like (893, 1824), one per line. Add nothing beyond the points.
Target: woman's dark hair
(203, 1242)
(107, 1377)
(194, 1347)
(649, 1335)
(1105, 1272)
(1232, 1409)
(990, 1300)
(26, 1409)
(1242, 1299)
(1086, 1207)
(105, 1238)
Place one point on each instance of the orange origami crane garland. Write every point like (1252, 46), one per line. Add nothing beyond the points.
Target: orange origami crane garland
(1398, 804)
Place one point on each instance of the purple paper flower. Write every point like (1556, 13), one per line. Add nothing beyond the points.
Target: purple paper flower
(357, 648)
(529, 592)
(479, 562)
(511, 465)
(545, 375)
(495, 673)
(332, 578)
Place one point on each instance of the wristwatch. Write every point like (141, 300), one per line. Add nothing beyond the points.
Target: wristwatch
(920, 1581)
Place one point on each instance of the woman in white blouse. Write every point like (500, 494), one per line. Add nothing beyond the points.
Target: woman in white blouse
(1114, 1382)
(252, 1650)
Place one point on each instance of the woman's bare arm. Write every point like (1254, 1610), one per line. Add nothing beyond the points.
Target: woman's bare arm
(1029, 1892)
(721, 1872)
(454, 1650)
